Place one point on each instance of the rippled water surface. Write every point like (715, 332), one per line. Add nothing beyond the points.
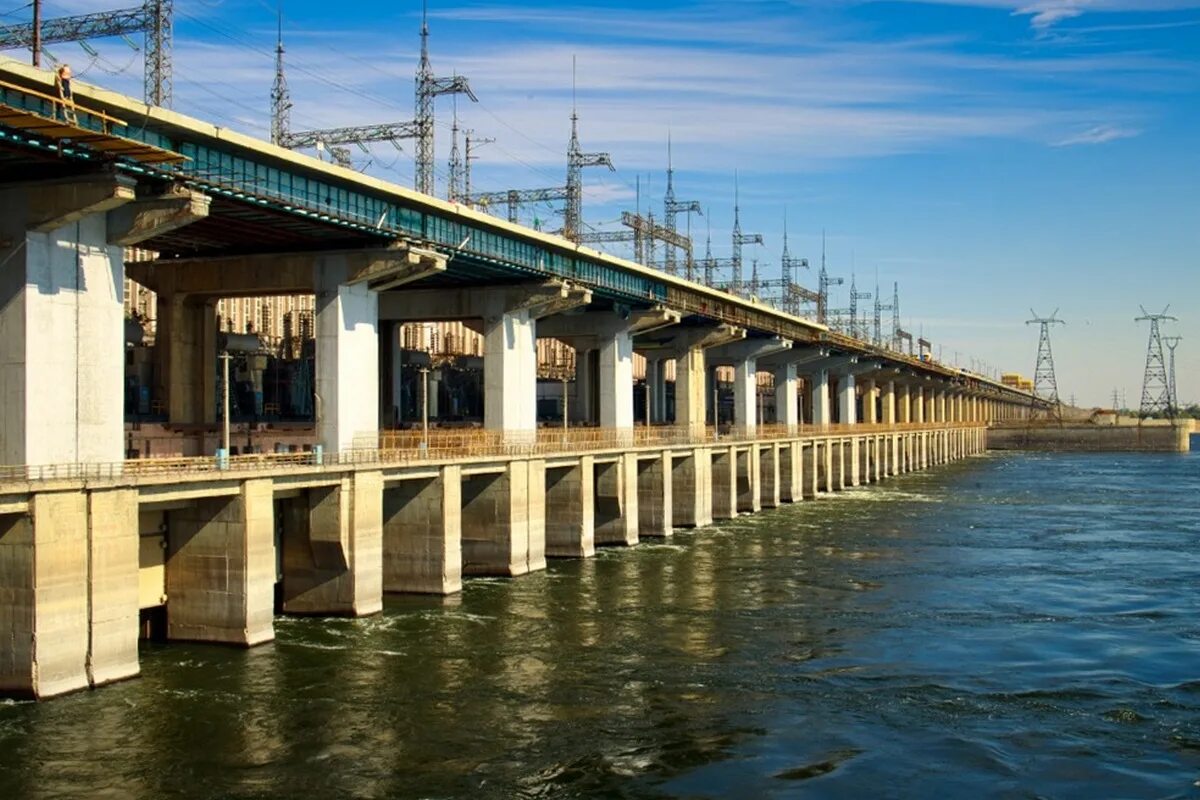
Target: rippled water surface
(1012, 626)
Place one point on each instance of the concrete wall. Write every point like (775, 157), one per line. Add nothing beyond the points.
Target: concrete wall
(1097, 438)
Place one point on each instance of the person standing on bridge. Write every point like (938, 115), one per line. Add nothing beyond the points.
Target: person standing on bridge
(62, 82)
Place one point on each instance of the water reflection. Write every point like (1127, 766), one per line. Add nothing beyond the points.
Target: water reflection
(1028, 638)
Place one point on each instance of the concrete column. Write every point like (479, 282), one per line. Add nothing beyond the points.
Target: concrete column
(820, 398)
(332, 542)
(749, 479)
(656, 381)
(68, 574)
(112, 585)
(570, 509)
(422, 534)
(791, 472)
(616, 494)
(583, 410)
(745, 396)
(787, 397)
(879, 456)
(503, 520)
(724, 482)
(510, 374)
(616, 381)
(942, 409)
(692, 488)
(690, 400)
(186, 358)
(769, 474)
(812, 481)
(846, 397)
(347, 381)
(888, 404)
(905, 410)
(854, 478)
(831, 464)
(62, 340)
(655, 493)
(868, 401)
(221, 568)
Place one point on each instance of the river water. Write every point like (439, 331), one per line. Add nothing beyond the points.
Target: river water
(1010, 626)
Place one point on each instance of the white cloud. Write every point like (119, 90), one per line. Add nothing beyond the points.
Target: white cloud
(1098, 134)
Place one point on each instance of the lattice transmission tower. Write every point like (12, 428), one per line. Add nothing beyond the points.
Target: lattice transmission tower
(1172, 342)
(153, 18)
(1045, 384)
(672, 208)
(428, 87)
(824, 281)
(1156, 387)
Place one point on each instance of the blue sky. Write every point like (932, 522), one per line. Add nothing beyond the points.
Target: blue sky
(990, 155)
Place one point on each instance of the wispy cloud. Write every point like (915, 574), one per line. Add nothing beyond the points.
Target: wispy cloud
(1098, 134)
(1044, 14)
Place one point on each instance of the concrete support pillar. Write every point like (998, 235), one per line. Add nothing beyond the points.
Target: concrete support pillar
(656, 381)
(692, 488)
(570, 509)
(787, 397)
(791, 472)
(616, 381)
(422, 534)
(749, 479)
(655, 494)
(812, 480)
(62, 345)
(831, 464)
(347, 381)
(846, 399)
(854, 457)
(503, 520)
(510, 375)
(221, 568)
(745, 396)
(770, 473)
(868, 401)
(724, 482)
(68, 574)
(616, 495)
(690, 400)
(186, 356)
(332, 541)
(822, 411)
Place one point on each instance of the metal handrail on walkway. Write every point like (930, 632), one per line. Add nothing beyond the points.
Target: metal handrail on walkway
(400, 448)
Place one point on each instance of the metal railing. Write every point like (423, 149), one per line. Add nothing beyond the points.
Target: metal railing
(400, 448)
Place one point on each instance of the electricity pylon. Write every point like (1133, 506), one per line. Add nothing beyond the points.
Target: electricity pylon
(1172, 342)
(429, 87)
(1156, 389)
(823, 284)
(153, 18)
(672, 208)
(1045, 384)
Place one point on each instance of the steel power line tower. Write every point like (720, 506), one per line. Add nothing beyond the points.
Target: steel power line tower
(429, 87)
(823, 284)
(1045, 384)
(1172, 342)
(153, 18)
(1156, 388)
(672, 208)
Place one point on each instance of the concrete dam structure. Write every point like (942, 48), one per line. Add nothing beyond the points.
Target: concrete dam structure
(97, 549)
